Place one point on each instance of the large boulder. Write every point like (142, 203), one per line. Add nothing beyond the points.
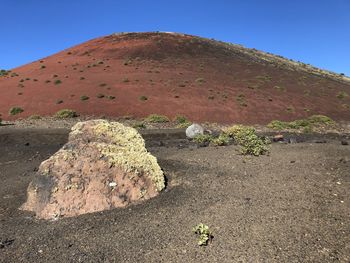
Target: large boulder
(194, 130)
(103, 165)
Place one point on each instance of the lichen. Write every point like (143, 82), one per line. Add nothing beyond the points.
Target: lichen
(125, 149)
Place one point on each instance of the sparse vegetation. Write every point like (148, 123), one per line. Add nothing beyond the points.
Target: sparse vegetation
(241, 100)
(103, 85)
(59, 101)
(203, 138)
(155, 118)
(200, 80)
(66, 113)
(4, 72)
(308, 125)
(15, 110)
(126, 80)
(204, 234)
(57, 81)
(279, 88)
(221, 140)
(34, 117)
(143, 98)
(100, 96)
(139, 125)
(342, 95)
(110, 97)
(181, 121)
(247, 138)
(84, 97)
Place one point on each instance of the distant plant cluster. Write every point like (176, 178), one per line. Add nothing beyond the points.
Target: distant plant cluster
(4, 72)
(66, 113)
(307, 125)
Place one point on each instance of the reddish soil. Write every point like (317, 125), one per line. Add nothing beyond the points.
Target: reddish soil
(203, 79)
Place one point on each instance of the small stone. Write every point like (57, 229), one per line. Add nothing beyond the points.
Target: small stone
(343, 142)
(278, 138)
(292, 140)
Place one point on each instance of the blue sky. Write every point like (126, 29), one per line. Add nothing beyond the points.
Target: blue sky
(312, 31)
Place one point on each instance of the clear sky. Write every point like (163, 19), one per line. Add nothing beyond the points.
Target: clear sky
(312, 31)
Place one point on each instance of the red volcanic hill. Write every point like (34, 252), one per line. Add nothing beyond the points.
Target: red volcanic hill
(166, 73)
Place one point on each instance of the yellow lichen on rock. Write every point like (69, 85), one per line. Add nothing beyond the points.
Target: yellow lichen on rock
(125, 148)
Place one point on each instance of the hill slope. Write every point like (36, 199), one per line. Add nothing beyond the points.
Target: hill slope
(166, 73)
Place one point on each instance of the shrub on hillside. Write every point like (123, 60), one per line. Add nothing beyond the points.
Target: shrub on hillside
(66, 113)
(314, 121)
(181, 121)
(155, 118)
(15, 110)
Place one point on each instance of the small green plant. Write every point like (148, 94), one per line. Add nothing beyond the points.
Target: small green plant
(241, 100)
(221, 140)
(247, 138)
(57, 82)
(143, 98)
(59, 101)
(204, 234)
(290, 109)
(202, 138)
(342, 95)
(110, 97)
(66, 113)
(181, 121)
(307, 125)
(100, 96)
(34, 117)
(155, 118)
(139, 125)
(84, 97)
(15, 110)
(200, 80)
(279, 88)
(4, 72)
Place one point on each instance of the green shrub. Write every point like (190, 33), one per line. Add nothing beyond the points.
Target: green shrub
(247, 138)
(66, 113)
(143, 98)
(83, 97)
(221, 140)
(15, 110)
(57, 81)
(4, 72)
(139, 125)
(100, 96)
(306, 124)
(110, 97)
(155, 118)
(204, 234)
(342, 95)
(203, 138)
(181, 121)
(200, 80)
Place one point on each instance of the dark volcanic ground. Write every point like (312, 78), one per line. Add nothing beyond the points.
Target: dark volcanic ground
(290, 206)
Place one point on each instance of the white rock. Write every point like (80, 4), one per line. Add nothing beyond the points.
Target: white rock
(194, 130)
